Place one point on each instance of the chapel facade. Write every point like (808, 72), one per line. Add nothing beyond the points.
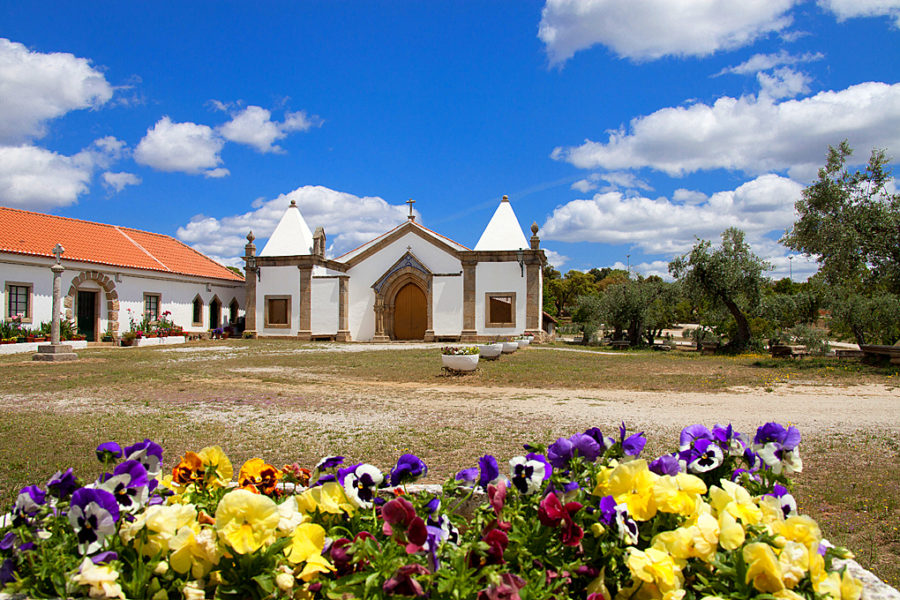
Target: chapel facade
(410, 283)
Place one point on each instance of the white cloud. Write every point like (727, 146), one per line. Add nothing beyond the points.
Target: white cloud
(783, 83)
(36, 87)
(661, 226)
(348, 220)
(650, 29)
(764, 62)
(119, 181)
(616, 180)
(749, 134)
(556, 259)
(183, 147)
(254, 127)
(848, 9)
(584, 185)
(684, 196)
(32, 177)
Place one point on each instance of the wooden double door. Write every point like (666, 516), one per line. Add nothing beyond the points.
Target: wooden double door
(410, 313)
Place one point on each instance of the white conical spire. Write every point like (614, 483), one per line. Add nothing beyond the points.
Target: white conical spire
(503, 231)
(291, 237)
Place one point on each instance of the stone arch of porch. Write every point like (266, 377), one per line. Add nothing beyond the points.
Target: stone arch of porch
(109, 288)
(386, 296)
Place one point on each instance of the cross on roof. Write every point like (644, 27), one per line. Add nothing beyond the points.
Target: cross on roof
(411, 202)
(58, 251)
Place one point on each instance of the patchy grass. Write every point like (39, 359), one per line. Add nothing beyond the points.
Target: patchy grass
(275, 400)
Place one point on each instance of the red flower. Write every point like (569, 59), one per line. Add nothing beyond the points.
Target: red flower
(552, 513)
(402, 524)
(402, 582)
(508, 589)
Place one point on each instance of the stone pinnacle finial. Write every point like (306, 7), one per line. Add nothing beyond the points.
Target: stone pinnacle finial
(534, 228)
(250, 237)
(293, 202)
(505, 198)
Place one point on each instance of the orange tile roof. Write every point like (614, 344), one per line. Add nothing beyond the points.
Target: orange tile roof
(35, 234)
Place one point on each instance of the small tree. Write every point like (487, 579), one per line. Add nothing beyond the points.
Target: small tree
(730, 276)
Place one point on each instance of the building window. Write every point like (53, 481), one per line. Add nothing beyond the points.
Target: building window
(500, 309)
(278, 311)
(18, 300)
(197, 318)
(151, 306)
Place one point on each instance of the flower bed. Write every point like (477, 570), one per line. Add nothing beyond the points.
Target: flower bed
(162, 340)
(585, 517)
(32, 347)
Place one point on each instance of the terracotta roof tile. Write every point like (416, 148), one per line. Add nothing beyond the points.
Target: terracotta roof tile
(26, 232)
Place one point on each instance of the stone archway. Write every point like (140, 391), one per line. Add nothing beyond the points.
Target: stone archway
(109, 288)
(407, 271)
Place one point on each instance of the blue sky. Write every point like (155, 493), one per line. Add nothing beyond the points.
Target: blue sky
(624, 128)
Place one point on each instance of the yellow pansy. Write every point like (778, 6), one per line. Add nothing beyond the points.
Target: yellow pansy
(770, 506)
(736, 500)
(329, 498)
(100, 578)
(194, 551)
(161, 522)
(246, 521)
(315, 564)
(788, 595)
(799, 528)
(306, 540)
(656, 567)
(602, 487)
(289, 516)
(731, 533)
(794, 562)
(763, 570)
(631, 483)
(679, 494)
(214, 459)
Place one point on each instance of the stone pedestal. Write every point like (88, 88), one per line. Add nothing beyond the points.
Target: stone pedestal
(54, 353)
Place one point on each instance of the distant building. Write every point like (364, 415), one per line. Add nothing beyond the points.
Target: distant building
(408, 284)
(113, 274)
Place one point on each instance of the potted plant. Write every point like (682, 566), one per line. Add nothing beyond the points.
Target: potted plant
(460, 358)
(490, 351)
(523, 341)
(510, 346)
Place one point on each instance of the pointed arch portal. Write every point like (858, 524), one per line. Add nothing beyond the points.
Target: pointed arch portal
(410, 313)
(403, 301)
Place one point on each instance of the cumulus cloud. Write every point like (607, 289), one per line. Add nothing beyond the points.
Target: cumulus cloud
(556, 259)
(34, 177)
(783, 83)
(119, 181)
(616, 180)
(764, 62)
(254, 127)
(650, 29)
(848, 9)
(748, 134)
(348, 220)
(663, 226)
(36, 87)
(182, 147)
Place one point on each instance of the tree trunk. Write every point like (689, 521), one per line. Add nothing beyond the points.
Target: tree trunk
(859, 334)
(742, 337)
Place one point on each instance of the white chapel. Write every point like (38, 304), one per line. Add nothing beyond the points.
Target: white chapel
(407, 284)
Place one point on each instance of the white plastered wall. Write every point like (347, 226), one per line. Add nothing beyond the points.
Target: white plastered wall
(499, 277)
(447, 315)
(325, 305)
(361, 317)
(278, 281)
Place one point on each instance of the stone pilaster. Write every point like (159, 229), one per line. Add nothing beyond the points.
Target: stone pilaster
(251, 276)
(469, 332)
(343, 333)
(533, 297)
(305, 330)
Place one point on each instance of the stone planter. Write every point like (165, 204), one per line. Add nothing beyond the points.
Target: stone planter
(490, 351)
(510, 347)
(523, 343)
(460, 362)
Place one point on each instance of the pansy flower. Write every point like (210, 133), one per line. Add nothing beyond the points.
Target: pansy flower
(189, 470)
(703, 455)
(632, 445)
(360, 483)
(777, 446)
(785, 500)
(485, 473)
(604, 441)
(128, 483)
(409, 468)
(667, 464)
(148, 453)
(552, 513)
(93, 514)
(528, 473)
(259, 477)
(731, 441)
(246, 521)
(28, 503)
(62, 483)
(403, 524)
(108, 451)
(616, 514)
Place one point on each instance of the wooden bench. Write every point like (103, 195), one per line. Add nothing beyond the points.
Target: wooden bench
(876, 352)
(620, 344)
(788, 351)
(842, 354)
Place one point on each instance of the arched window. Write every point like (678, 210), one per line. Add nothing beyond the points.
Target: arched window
(197, 318)
(233, 311)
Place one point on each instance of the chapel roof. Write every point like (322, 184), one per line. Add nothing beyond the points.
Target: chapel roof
(291, 237)
(503, 231)
(35, 234)
(421, 229)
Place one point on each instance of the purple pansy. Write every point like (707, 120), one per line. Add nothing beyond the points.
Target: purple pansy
(108, 451)
(692, 433)
(149, 454)
(729, 440)
(605, 442)
(634, 444)
(702, 456)
(587, 447)
(28, 503)
(489, 471)
(777, 446)
(560, 452)
(62, 484)
(128, 483)
(329, 462)
(468, 477)
(7, 571)
(360, 483)
(409, 468)
(616, 515)
(93, 514)
(667, 464)
(785, 499)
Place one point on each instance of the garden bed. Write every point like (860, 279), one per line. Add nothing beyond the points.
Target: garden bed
(32, 347)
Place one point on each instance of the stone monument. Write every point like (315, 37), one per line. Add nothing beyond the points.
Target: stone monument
(54, 351)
